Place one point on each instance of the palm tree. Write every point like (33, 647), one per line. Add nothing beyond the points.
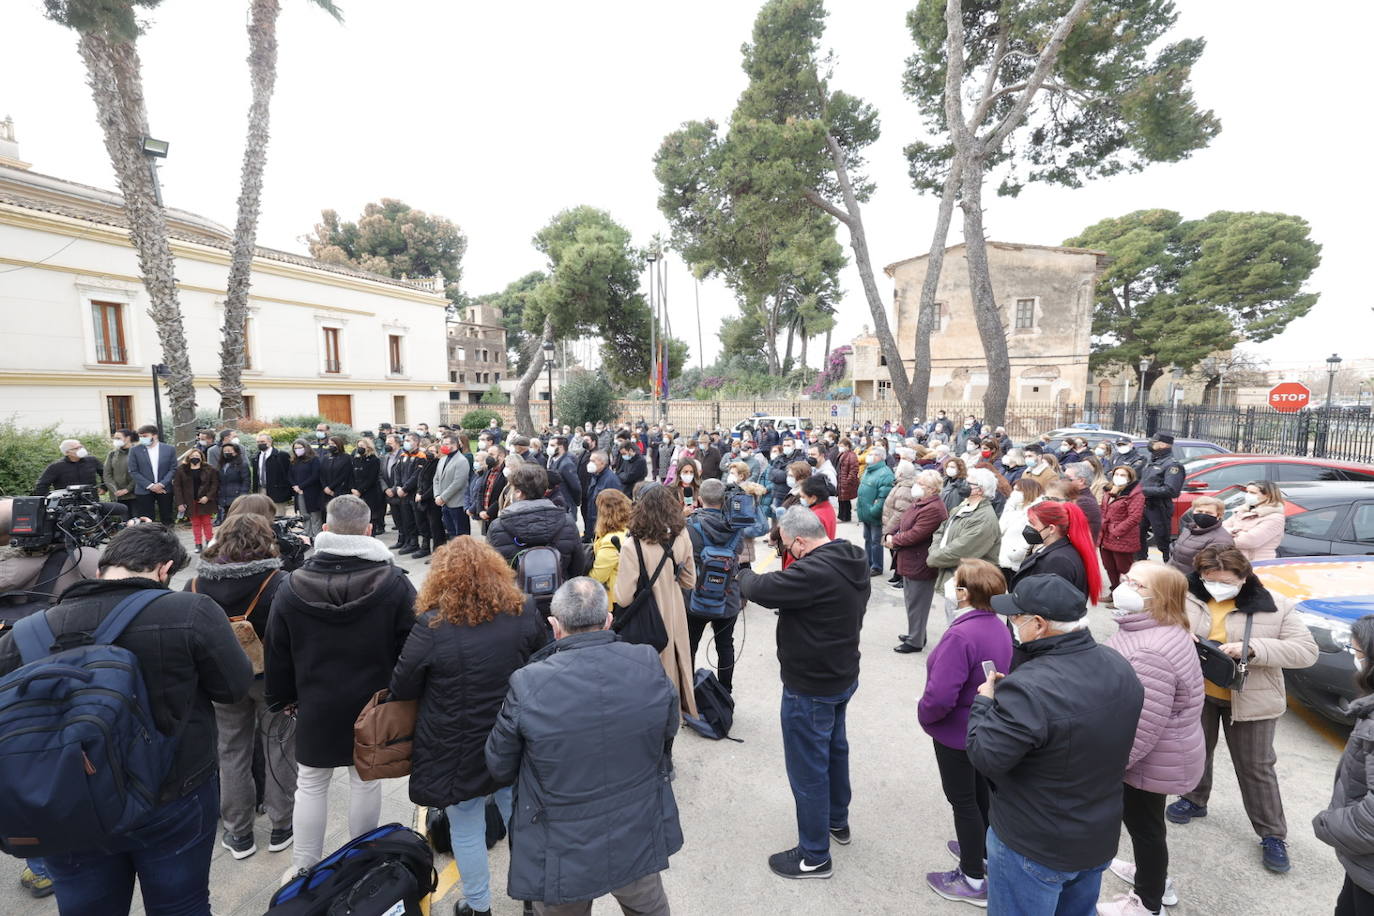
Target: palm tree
(262, 71)
(107, 42)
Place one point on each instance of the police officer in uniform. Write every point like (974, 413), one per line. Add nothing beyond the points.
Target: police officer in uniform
(1161, 482)
(1124, 453)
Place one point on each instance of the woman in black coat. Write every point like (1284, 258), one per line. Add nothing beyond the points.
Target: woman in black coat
(336, 470)
(479, 629)
(1066, 551)
(367, 483)
(304, 476)
(233, 477)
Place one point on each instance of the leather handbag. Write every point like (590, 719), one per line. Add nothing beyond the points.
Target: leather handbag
(640, 621)
(1220, 668)
(243, 630)
(383, 736)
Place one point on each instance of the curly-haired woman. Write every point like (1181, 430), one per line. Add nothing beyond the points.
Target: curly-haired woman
(476, 630)
(612, 528)
(657, 527)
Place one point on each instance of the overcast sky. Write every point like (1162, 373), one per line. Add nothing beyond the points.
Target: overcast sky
(499, 115)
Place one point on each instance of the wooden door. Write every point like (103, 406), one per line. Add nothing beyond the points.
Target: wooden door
(337, 408)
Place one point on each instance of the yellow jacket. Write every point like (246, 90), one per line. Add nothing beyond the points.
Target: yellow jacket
(607, 561)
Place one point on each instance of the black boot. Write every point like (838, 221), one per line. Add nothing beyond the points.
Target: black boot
(409, 546)
(422, 551)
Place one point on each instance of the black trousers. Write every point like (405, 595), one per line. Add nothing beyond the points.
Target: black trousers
(421, 518)
(434, 520)
(846, 510)
(156, 506)
(723, 632)
(1354, 900)
(1143, 814)
(1154, 527)
(966, 790)
(405, 519)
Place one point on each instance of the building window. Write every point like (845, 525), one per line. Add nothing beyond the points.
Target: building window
(248, 411)
(398, 409)
(120, 408)
(941, 316)
(462, 378)
(332, 362)
(882, 360)
(498, 378)
(393, 342)
(884, 389)
(1025, 314)
(109, 333)
(247, 350)
(452, 377)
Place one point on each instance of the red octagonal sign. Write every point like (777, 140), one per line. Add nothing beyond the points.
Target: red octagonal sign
(1289, 397)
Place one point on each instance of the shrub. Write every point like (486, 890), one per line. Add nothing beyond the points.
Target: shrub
(283, 436)
(585, 398)
(494, 395)
(25, 452)
(252, 427)
(479, 419)
(306, 421)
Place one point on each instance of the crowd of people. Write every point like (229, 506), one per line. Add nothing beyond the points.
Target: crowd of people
(556, 698)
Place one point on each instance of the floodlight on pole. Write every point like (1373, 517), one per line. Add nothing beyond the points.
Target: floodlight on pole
(155, 150)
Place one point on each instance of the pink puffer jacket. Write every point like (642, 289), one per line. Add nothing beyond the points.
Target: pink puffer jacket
(1168, 754)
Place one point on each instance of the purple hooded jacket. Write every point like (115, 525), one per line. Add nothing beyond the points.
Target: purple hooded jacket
(955, 669)
(1168, 754)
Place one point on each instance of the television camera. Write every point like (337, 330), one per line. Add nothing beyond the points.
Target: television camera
(74, 517)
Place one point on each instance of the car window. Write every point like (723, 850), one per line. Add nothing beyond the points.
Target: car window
(1229, 475)
(1188, 452)
(1314, 524)
(1288, 472)
(1363, 522)
(1353, 474)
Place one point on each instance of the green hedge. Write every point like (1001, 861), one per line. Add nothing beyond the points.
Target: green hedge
(480, 419)
(25, 452)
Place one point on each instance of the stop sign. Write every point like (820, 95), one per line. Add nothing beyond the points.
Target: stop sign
(1289, 397)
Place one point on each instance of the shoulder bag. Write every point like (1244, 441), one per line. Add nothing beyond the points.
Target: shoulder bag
(640, 621)
(1220, 668)
(243, 630)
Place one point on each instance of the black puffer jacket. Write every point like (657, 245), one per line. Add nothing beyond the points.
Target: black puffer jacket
(188, 655)
(460, 675)
(1057, 559)
(234, 585)
(585, 733)
(534, 523)
(1054, 742)
(336, 629)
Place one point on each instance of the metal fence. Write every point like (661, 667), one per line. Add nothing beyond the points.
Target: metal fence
(1342, 435)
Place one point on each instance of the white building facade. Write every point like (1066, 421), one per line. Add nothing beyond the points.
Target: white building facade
(78, 345)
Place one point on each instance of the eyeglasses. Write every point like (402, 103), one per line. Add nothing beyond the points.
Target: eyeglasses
(1138, 586)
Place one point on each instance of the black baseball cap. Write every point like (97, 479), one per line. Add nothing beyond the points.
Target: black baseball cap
(1162, 437)
(1046, 595)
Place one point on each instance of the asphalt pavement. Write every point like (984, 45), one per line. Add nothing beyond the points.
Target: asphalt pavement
(736, 808)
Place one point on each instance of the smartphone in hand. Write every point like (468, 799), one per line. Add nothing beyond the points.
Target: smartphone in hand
(989, 668)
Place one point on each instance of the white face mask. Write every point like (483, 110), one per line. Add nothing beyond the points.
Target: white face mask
(81, 453)
(734, 479)
(968, 424)
(1100, 452)
(1252, 499)
(687, 478)
(235, 441)
(299, 450)
(1124, 449)
(791, 482)
(951, 591)
(591, 467)
(951, 472)
(117, 443)
(1128, 601)
(145, 440)
(1221, 591)
(788, 449)
(1121, 480)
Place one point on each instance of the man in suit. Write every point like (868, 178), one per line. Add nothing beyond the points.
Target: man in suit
(271, 468)
(152, 464)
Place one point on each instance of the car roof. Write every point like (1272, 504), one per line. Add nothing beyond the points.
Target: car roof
(1214, 460)
(1311, 494)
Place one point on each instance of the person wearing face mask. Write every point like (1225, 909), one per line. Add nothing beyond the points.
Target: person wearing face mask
(599, 477)
(406, 471)
(1122, 509)
(563, 475)
(224, 437)
(1345, 823)
(874, 486)
(898, 500)
(1061, 545)
(1012, 524)
(1054, 735)
(955, 488)
(910, 539)
(367, 482)
(394, 466)
(271, 474)
(116, 469)
(1125, 452)
(1200, 527)
(821, 598)
(76, 467)
(234, 478)
(195, 488)
(304, 476)
(1229, 605)
(970, 530)
(336, 469)
(777, 476)
(688, 484)
(1042, 466)
(1162, 482)
(954, 671)
(1012, 465)
(971, 432)
(1167, 755)
(429, 518)
(1257, 529)
(633, 467)
(183, 676)
(451, 484)
(846, 479)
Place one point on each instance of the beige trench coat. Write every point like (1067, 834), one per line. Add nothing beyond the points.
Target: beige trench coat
(677, 655)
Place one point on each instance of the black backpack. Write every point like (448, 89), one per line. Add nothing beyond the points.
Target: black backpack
(715, 708)
(384, 872)
(538, 572)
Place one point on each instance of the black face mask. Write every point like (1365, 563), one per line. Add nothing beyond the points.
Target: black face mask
(262, 446)
(491, 462)
(1205, 521)
(1032, 535)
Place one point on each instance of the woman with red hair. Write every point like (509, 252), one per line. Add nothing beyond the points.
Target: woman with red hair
(1065, 547)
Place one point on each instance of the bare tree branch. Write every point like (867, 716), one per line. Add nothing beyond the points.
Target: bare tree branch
(1048, 57)
(820, 203)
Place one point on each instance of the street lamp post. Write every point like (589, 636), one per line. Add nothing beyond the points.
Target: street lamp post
(155, 150)
(548, 364)
(1140, 414)
(1333, 365)
(159, 370)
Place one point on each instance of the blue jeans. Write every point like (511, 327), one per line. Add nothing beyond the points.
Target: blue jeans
(467, 827)
(170, 855)
(1018, 886)
(38, 868)
(816, 750)
(873, 544)
(456, 521)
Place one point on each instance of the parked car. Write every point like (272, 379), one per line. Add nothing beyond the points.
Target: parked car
(1331, 594)
(1322, 519)
(1188, 449)
(1210, 476)
(779, 423)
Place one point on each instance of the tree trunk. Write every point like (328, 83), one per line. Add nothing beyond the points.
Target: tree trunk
(524, 422)
(262, 72)
(985, 310)
(852, 217)
(787, 354)
(113, 72)
(805, 338)
(770, 333)
(925, 314)
(825, 357)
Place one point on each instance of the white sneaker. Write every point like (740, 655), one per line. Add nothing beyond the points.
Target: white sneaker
(1125, 905)
(1126, 872)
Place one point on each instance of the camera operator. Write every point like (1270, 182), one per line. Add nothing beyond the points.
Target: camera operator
(32, 578)
(292, 543)
(76, 467)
